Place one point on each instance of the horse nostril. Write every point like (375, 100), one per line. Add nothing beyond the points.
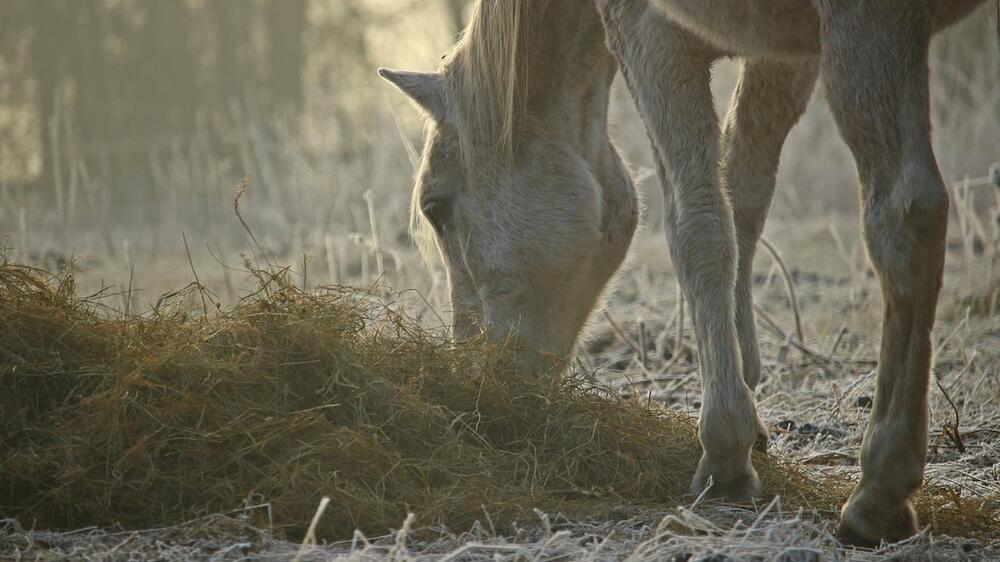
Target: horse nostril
(437, 210)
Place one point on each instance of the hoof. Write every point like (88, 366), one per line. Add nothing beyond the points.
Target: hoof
(738, 486)
(869, 526)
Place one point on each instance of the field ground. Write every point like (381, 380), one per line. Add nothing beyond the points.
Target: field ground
(724, 534)
(815, 397)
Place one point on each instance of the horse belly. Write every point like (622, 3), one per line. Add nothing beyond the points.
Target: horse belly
(767, 28)
(774, 28)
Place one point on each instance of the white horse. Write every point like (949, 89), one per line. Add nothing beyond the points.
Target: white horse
(533, 210)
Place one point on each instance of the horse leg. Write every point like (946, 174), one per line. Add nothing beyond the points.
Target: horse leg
(668, 72)
(874, 64)
(768, 100)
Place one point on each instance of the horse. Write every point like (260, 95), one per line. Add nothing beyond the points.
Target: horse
(532, 208)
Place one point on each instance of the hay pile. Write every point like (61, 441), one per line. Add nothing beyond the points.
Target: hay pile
(148, 420)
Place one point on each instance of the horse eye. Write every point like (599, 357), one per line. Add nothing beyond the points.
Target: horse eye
(437, 210)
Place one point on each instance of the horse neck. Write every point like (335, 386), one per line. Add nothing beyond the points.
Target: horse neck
(568, 72)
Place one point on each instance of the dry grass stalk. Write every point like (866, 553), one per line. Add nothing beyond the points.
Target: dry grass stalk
(291, 396)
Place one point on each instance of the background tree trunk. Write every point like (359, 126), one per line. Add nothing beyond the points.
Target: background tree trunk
(285, 21)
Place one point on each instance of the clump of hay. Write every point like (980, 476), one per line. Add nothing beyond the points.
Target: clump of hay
(108, 418)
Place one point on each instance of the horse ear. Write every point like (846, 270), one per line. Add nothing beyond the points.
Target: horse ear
(426, 89)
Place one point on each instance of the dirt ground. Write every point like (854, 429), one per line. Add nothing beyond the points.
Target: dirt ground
(815, 397)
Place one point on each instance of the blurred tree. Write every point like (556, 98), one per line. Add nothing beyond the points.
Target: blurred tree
(109, 72)
(285, 21)
(129, 73)
(232, 70)
(49, 23)
(122, 70)
(89, 71)
(161, 72)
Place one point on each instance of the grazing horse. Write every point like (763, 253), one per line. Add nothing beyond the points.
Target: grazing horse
(533, 210)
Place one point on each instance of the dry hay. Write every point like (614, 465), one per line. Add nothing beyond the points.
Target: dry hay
(113, 418)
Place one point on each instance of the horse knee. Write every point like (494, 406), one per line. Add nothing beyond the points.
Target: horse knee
(925, 203)
(905, 231)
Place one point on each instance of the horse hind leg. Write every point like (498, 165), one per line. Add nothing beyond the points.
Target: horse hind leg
(768, 100)
(874, 64)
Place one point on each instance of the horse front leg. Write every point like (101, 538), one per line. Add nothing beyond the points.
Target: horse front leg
(874, 65)
(668, 72)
